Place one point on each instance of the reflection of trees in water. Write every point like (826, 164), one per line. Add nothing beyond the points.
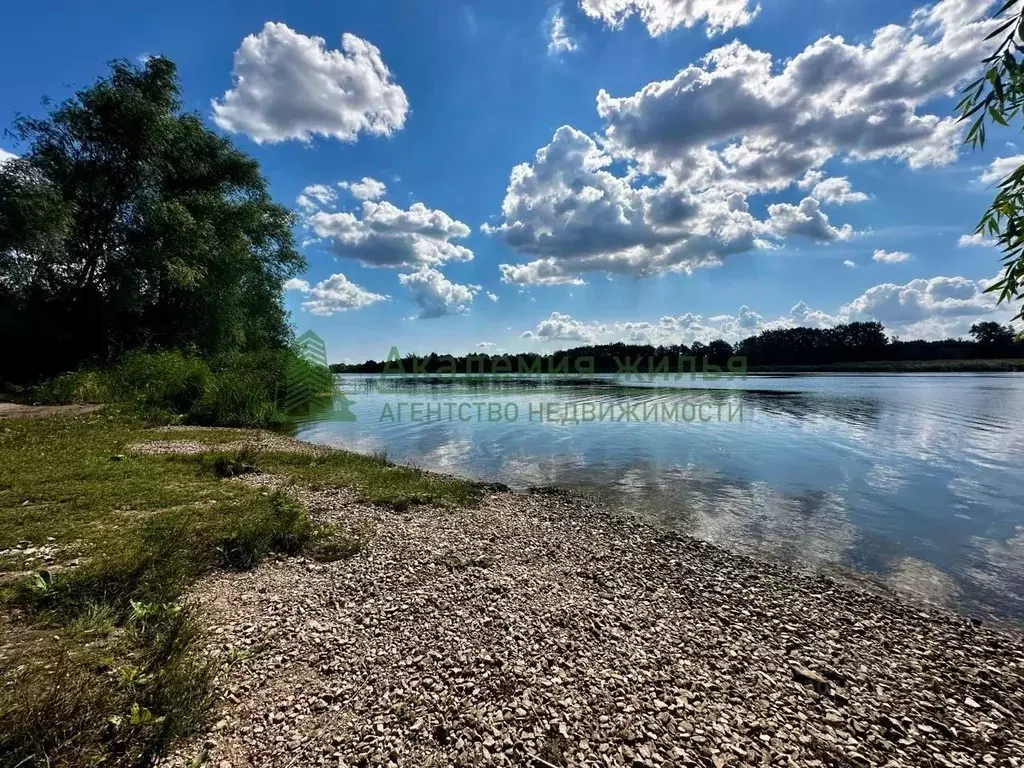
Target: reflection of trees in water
(855, 411)
(858, 411)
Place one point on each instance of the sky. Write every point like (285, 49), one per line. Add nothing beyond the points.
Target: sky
(499, 176)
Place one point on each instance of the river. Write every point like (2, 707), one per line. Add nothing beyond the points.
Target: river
(913, 479)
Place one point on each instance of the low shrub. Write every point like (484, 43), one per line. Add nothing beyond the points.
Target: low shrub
(86, 386)
(254, 389)
(172, 381)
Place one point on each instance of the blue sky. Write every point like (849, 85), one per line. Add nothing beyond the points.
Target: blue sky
(684, 170)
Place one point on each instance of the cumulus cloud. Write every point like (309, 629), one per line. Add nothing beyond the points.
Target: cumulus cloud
(849, 263)
(559, 40)
(365, 189)
(661, 16)
(383, 235)
(931, 308)
(928, 308)
(835, 190)
(834, 97)
(559, 327)
(314, 196)
(437, 296)
(975, 240)
(5, 156)
(290, 86)
(492, 296)
(540, 272)
(575, 215)
(805, 219)
(486, 345)
(1000, 168)
(890, 257)
(665, 187)
(335, 294)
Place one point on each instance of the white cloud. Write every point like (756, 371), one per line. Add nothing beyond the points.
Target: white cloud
(1000, 168)
(975, 240)
(540, 272)
(832, 98)
(559, 327)
(437, 296)
(365, 189)
(661, 16)
(835, 190)
(573, 214)
(314, 196)
(387, 236)
(335, 294)
(486, 345)
(849, 263)
(665, 188)
(290, 86)
(805, 219)
(5, 156)
(928, 308)
(559, 40)
(492, 296)
(890, 257)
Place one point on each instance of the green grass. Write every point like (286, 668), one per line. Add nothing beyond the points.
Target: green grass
(98, 662)
(374, 478)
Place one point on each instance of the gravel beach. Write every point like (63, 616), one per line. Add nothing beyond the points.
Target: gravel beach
(540, 630)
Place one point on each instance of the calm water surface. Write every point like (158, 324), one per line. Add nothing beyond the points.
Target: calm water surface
(912, 478)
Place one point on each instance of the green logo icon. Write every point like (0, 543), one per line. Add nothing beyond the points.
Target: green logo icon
(307, 376)
(340, 408)
(309, 383)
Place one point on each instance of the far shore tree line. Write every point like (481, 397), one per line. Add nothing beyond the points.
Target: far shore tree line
(860, 342)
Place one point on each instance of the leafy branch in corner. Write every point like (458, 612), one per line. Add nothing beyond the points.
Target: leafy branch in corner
(998, 95)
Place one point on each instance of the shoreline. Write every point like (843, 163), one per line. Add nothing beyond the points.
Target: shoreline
(539, 629)
(973, 365)
(432, 621)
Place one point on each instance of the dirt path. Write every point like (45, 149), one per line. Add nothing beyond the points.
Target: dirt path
(20, 411)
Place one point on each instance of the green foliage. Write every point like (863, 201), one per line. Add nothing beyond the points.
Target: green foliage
(993, 335)
(998, 96)
(238, 390)
(88, 386)
(127, 224)
(117, 700)
(170, 381)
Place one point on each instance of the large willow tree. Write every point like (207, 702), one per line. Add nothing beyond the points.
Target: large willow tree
(998, 97)
(128, 224)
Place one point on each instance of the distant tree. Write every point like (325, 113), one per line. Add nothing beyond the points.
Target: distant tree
(998, 95)
(127, 223)
(718, 352)
(993, 335)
